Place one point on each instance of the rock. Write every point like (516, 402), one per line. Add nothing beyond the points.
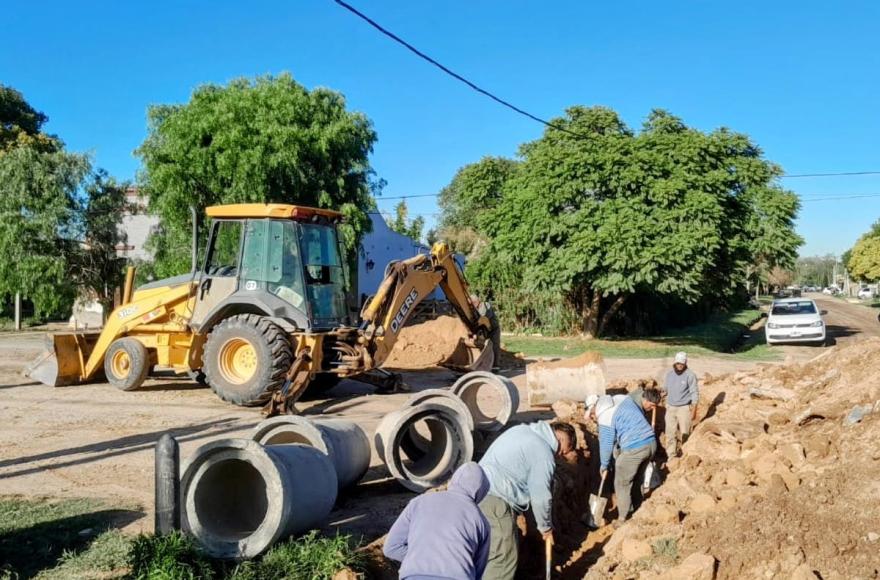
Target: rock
(873, 536)
(694, 567)
(794, 452)
(692, 462)
(857, 414)
(635, 550)
(817, 447)
(804, 572)
(777, 484)
(346, 574)
(702, 503)
(564, 408)
(665, 514)
(735, 478)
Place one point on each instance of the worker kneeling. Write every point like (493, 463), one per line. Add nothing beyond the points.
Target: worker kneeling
(623, 424)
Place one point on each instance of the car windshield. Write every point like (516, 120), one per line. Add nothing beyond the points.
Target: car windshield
(786, 308)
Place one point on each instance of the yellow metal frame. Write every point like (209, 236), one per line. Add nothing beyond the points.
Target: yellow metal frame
(269, 210)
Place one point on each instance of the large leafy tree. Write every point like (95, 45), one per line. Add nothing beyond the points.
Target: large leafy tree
(59, 226)
(598, 213)
(263, 140)
(863, 261)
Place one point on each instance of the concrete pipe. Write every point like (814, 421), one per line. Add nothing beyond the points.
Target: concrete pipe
(492, 399)
(413, 441)
(344, 442)
(239, 497)
(450, 445)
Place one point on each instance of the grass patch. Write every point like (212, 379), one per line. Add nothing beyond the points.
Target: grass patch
(106, 557)
(39, 536)
(666, 548)
(311, 557)
(721, 334)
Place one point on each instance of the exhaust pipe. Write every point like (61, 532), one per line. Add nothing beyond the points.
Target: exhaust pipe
(195, 239)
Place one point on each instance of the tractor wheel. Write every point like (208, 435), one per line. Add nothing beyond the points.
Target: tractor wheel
(246, 359)
(127, 364)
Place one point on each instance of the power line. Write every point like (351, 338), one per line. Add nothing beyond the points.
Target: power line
(842, 197)
(381, 197)
(833, 174)
(452, 73)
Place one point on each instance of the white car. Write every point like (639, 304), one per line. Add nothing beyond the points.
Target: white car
(795, 320)
(866, 293)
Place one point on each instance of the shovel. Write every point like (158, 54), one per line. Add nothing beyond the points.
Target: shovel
(651, 479)
(548, 557)
(597, 506)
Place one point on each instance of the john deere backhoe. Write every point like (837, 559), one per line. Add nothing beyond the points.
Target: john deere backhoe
(265, 315)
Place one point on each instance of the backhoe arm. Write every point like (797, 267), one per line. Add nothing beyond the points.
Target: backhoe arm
(406, 284)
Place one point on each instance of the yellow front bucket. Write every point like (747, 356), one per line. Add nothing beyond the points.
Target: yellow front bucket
(64, 358)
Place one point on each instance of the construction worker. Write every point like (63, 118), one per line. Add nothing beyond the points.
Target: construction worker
(623, 424)
(520, 466)
(682, 400)
(638, 393)
(444, 534)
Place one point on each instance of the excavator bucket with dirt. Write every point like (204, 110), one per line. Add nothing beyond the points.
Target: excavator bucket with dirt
(64, 358)
(466, 358)
(572, 379)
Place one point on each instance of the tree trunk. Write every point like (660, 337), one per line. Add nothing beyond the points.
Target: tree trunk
(609, 314)
(590, 313)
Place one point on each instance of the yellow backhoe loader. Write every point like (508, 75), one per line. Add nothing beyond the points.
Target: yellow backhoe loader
(265, 316)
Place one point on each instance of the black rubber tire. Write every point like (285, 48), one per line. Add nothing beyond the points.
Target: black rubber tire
(274, 354)
(139, 361)
(199, 377)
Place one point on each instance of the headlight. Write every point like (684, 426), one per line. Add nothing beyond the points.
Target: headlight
(817, 323)
(772, 325)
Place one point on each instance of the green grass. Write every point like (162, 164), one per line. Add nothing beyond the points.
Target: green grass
(720, 335)
(44, 538)
(75, 539)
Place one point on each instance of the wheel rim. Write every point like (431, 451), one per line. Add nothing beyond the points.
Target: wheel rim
(120, 363)
(238, 361)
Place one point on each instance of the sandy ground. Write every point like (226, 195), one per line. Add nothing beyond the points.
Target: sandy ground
(95, 441)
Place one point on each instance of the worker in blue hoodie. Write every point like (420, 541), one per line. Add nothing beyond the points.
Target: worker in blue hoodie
(444, 535)
(520, 466)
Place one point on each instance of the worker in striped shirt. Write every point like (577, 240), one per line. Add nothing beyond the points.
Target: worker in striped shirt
(622, 422)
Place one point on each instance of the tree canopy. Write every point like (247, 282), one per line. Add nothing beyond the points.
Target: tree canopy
(863, 261)
(263, 140)
(58, 231)
(595, 214)
(401, 223)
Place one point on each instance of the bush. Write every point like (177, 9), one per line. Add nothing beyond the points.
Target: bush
(311, 557)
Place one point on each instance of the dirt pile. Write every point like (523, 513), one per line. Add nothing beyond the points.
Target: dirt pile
(780, 479)
(426, 344)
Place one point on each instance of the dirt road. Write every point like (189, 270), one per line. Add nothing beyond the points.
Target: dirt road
(95, 441)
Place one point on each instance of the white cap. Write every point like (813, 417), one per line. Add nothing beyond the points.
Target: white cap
(590, 401)
(681, 358)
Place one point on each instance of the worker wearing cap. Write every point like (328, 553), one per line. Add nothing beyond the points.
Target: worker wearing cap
(622, 423)
(682, 399)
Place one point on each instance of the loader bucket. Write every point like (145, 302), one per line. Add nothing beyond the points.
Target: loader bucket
(63, 360)
(567, 379)
(466, 358)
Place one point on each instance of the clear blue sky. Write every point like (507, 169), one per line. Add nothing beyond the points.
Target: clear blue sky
(801, 77)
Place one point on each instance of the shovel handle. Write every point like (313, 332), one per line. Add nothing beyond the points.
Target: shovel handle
(602, 484)
(548, 556)
(653, 418)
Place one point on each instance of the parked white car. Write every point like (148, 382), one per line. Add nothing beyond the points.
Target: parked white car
(795, 320)
(866, 293)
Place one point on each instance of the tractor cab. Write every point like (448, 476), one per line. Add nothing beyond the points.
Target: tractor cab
(283, 261)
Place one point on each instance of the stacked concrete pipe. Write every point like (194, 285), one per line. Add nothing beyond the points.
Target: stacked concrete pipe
(468, 386)
(412, 439)
(431, 462)
(239, 497)
(344, 442)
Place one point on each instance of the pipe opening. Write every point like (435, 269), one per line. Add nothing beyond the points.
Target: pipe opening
(230, 499)
(485, 401)
(285, 437)
(433, 453)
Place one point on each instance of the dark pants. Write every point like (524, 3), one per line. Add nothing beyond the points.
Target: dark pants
(503, 541)
(627, 467)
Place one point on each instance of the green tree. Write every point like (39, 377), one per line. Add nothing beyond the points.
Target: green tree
(864, 263)
(401, 223)
(263, 140)
(22, 125)
(468, 202)
(38, 202)
(599, 213)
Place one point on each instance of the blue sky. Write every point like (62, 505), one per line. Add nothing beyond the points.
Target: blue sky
(799, 76)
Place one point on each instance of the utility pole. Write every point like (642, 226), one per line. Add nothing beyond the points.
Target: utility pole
(18, 311)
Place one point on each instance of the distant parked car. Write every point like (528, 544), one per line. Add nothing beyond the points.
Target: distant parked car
(794, 320)
(866, 293)
(831, 291)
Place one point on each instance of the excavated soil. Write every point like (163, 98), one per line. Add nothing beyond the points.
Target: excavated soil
(782, 486)
(426, 344)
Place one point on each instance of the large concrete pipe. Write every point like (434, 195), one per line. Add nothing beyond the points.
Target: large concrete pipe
(492, 399)
(239, 497)
(567, 379)
(344, 442)
(450, 444)
(414, 442)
